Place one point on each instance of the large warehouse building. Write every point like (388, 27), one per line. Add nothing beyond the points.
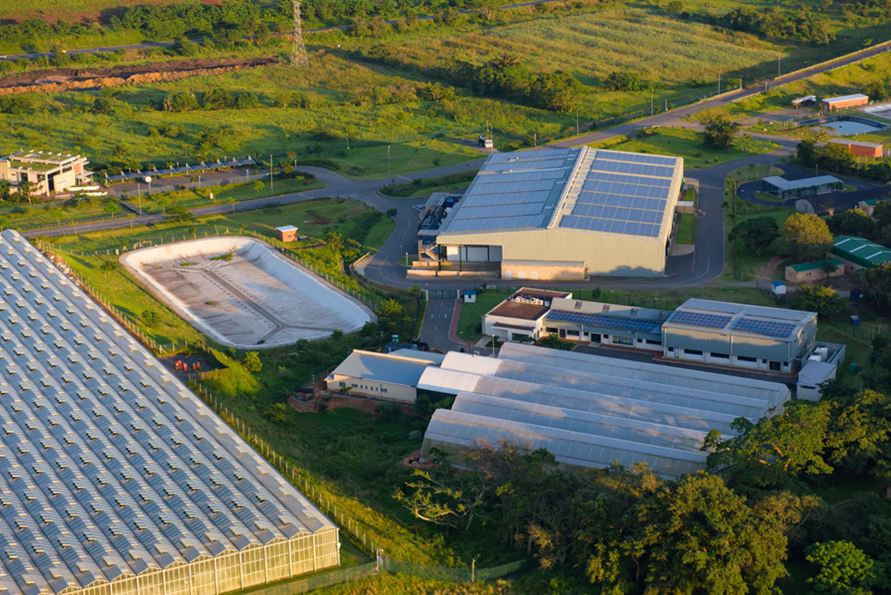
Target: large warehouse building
(114, 477)
(588, 410)
(565, 214)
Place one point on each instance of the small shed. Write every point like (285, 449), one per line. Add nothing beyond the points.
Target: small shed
(287, 233)
(831, 104)
(860, 148)
(815, 270)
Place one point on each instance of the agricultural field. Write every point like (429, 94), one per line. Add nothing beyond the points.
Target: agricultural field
(66, 10)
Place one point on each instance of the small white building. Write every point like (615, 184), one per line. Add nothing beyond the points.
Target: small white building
(386, 376)
(520, 316)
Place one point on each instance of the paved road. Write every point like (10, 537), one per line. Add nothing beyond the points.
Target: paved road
(437, 325)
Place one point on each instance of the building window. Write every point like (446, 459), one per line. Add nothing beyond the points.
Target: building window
(552, 330)
(746, 358)
(671, 350)
(720, 355)
(572, 333)
(693, 351)
(656, 342)
(623, 340)
(775, 366)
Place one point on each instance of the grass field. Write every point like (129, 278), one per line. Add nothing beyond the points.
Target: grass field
(66, 10)
(47, 213)
(686, 233)
(421, 187)
(686, 143)
(228, 193)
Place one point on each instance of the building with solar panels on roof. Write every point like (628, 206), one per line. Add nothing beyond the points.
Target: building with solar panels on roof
(564, 213)
(739, 335)
(114, 477)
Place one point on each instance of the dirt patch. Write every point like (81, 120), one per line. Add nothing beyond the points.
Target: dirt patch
(766, 270)
(310, 404)
(58, 80)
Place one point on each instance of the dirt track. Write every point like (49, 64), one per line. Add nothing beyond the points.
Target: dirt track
(62, 79)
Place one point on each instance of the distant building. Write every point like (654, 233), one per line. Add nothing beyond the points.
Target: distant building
(815, 270)
(861, 148)
(831, 104)
(563, 213)
(784, 188)
(48, 173)
(387, 376)
(806, 100)
(859, 253)
(287, 233)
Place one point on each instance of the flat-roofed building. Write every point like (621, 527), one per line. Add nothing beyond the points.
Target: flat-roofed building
(605, 324)
(831, 104)
(114, 477)
(860, 148)
(565, 213)
(388, 376)
(784, 188)
(47, 173)
(739, 335)
(519, 316)
(860, 253)
(589, 410)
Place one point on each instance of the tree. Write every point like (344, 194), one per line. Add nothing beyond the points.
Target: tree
(757, 234)
(258, 186)
(443, 495)
(252, 362)
(794, 442)
(821, 299)
(24, 190)
(806, 152)
(623, 80)
(842, 568)
(556, 91)
(180, 101)
(854, 222)
(4, 190)
(878, 280)
(392, 308)
(279, 412)
(695, 536)
(103, 105)
(881, 212)
(806, 236)
(719, 131)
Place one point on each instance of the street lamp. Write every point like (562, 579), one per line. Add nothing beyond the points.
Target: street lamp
(148, 180)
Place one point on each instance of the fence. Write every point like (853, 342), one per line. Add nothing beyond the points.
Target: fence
(354, 290)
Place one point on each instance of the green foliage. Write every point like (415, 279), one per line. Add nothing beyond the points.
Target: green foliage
(252, 362)
(806, 236)
(719, 131)
(279, 412)
(757, 234)
(149, 317)
(778, 24)
(821, 299)
(842, 568)
(180, 101)
(232, 379)
(854, 222)
(623, 80)
(833, 157)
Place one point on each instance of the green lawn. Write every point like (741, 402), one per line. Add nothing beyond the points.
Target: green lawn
(54, 212)
(422, 187)
(686, 143)
(470, 321)
(228, 193)
(686, 233)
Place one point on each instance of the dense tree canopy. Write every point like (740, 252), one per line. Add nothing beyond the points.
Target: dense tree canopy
(806, 236)
(757, 233)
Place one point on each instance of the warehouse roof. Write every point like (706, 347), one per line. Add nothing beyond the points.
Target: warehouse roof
(583, 189)
(842, 98)
(397, 368)
(727, 317)
(590, 410)
(608, 316)
(861, 251)
(784, 184)
(110, 466)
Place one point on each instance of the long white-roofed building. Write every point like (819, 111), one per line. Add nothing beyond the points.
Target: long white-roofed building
(589, 410)
(114, 477)
(565, 213)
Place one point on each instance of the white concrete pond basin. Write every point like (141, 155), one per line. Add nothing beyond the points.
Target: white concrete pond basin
(241, 292)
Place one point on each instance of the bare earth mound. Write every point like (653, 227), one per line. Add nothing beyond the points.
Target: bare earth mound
(242, 293)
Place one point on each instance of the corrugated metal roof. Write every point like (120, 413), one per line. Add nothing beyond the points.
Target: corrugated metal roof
(109, 465)
(784, 184)
(861, 251)
(841, 98)
(728, 317)
(383, 367)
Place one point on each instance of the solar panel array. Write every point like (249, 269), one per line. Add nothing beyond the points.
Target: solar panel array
(767, 328)
(588, 410)
(606, 321)
(110, 468)
(513, 191)
(699, 319)
(626, 193)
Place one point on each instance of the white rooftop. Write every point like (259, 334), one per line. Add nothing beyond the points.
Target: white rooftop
(845, 97)
(398, 367)
(590, 410)
(109, 466)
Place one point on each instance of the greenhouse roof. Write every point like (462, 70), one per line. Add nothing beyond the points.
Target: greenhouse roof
(109, 466)
(590, 410)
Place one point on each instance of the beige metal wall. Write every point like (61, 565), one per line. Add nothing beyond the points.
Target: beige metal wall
(232, 572)
(374, 388)
(602, 253)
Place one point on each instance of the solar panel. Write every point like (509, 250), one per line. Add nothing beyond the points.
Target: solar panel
(636, 158)
(638, 169)
(699, 319)
(767, 328)
(611, 177)
(603, 320)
